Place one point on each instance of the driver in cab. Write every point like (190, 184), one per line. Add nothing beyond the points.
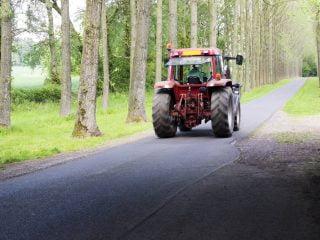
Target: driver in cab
(196, 76)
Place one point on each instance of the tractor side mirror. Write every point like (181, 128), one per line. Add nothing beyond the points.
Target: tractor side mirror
(239, 60)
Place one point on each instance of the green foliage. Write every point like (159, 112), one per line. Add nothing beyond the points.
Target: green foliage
(309, 68)
(262, 91)
(47, 93)
(119, 45)
(306, 101)
(37, 55)
(38, 131)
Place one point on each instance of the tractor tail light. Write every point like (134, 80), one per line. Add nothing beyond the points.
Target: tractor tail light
(217, 76)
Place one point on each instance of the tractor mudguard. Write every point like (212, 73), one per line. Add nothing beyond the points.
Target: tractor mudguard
(219, 83)
(165, 84)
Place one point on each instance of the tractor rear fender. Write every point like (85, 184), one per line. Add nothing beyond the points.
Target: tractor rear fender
(219, 83)
(165, 84)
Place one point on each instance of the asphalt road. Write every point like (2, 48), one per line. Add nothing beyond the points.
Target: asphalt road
(139, 190)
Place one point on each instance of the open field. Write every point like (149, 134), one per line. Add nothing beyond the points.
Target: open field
(25, 77)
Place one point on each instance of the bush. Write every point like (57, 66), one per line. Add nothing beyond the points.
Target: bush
(309, 68)
(48, 93)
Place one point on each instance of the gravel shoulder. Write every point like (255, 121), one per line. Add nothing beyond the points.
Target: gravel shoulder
(287, 149)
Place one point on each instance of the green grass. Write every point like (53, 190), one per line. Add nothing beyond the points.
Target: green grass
(262, 91)
(37, 130)
(292, 137)
(307, 101)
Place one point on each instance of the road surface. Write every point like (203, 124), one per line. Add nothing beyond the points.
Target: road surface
(149, 189)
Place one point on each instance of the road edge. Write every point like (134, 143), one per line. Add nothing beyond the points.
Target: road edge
(12, 170)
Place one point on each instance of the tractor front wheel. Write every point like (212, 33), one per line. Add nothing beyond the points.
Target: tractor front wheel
(222, 117)
(164, 124)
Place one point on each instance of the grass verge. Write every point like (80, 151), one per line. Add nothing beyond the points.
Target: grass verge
(37, 130)
(262, 91)
(292, 137)
(307, 101)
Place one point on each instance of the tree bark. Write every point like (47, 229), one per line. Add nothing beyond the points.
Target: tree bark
(5, 63)
(133, 15)
(194, 23)
(173, 23)
(318, 42)
(86, 124)
(105, 53)
(65, 108)
(53, 68)
(136, 111)
(213, 23)
(159, 42)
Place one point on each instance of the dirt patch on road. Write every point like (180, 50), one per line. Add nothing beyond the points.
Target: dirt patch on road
(289, 149)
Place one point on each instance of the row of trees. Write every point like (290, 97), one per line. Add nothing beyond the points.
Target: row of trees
(132, 36)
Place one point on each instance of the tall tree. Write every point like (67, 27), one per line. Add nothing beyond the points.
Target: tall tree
(53, 68)
(213, 23)
(159, 42)
(5, 63)
(137, 111)
(318, 38)
(65, 108)
(105, 53)
(194, 23)
(86, 124)
(173, 23)
(133, 19)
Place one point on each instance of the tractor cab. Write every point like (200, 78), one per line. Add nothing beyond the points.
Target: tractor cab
(194, 66)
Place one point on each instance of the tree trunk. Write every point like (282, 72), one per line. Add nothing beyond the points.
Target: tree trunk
(106, 74)
(53, 68)
(173, 23)
(136, 111)
(133, 15)
(194, 23)
(318, 42)
(65, 108)
(159, 42)
(213, 23)
(5, 63)
(86, 124)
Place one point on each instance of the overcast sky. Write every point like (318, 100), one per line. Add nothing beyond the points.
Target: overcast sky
(76, 7)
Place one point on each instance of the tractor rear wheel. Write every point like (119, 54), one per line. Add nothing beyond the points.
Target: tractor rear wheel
(222, 117)
(164, 124)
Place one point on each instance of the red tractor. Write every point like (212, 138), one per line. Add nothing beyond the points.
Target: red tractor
(199, 87)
